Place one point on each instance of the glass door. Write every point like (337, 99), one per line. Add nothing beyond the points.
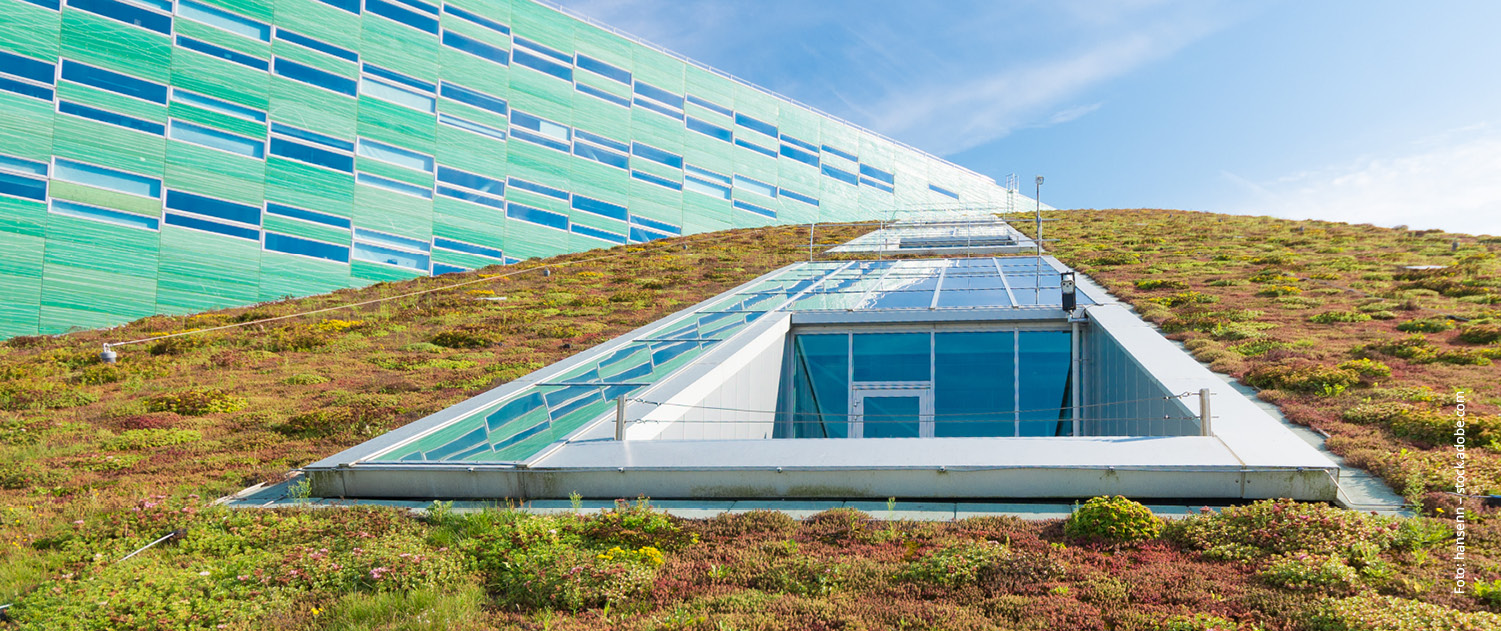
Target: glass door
(891, 413)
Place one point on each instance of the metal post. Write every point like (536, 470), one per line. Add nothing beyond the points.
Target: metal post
(1077, 382)
(1037, 197)
(811, 226)
(620, 417)
(1204, 415)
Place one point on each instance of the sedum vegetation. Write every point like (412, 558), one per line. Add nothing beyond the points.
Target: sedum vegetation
(98, 460)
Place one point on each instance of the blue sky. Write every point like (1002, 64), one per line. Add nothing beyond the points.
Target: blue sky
(1380, 112)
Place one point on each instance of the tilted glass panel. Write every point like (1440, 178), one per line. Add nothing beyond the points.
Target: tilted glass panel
(820, 386)
(1043, 359)
(974, 392)
(891, 357)
(890, 416)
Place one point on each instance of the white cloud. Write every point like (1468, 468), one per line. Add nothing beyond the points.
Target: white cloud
(1451, 182)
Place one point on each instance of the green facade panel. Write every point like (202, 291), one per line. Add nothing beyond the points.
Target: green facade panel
(154, 162)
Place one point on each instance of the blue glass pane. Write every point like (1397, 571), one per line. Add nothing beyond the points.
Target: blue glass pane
(114, 82)
(460, 246)
(841, 175)
(891, 357)
(710, 105)
(890, 416)
(648, 90)
(389, 256)
(377, 71)
(440, 268)
(345, 145)
(877, 174)
(843, 154)
(391, 240)
(598, 93)
(865, 181)
(477, 19)
(308, 215)
(699, 185)
(26, 89)
(800, 155)
(467, 196)
(394, 185)
(25, 166)
(174, 219)
(544, 50)
(538, 189)
(198, 204)
(18, 186)
(755, 186)
(46, 4)
(470, 180)
(421, 6)
(323, 47)
(352, 6)
(656, 225)
(605, 209)
(658, 108)
(27, 67)
(91, 175)
(756, 125)
(657, 155)
(821, 389)
(601, 155)
(127, 14)
(603, 69)
(223, 19)
(1042, 367)
(209, 137)
(659, 181)
(601, 140)
(713, 131)
(112, 118)
(798, 196)
(546, 66)
(539, 139)
(306, 247)
(800, 143)
(770, 153)
(537, 216)
(471, 97)
(312, 155)
(223, 107)
(398, 95)
(222, 53)
(603, 235)
(476, 47)
(759, 210)
(943, 191)
(973, 387)
(403, 15)
(310, 75)
(105, 215)
(642, 235)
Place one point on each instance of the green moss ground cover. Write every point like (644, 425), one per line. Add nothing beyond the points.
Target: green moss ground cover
(97, 460)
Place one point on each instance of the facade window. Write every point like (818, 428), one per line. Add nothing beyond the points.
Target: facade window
(313, 44)
(798, 196)
(114, 82)
(756, 125)
(288, 244)
(705, 187)
(395, 155)
(943, 191)
(215, 139)
(601, 155)
(474, 98)
(843, 154)
(470, 126)
(810, 159)
(127, 13)
(542, 59)
(90, 175)
(710, 105)
(477, 48)
(195, 223)
(216, 105)
(26, 67)
(307, 215)
(17, 186)
(603, 209)
(313, 76)
(95, 213)
(658, 180)
(602, 95)
(402, 15)
(759, 210)
(755, 186)
(394, 185)
(467, 248)
(658, 94)
(106, 116)
(469, 180)
(210, 207)
(541, 131)
(770, 153)
(216, 17)
(389, 256)
(841, 175)
(603, 69)
(537, 216)
(659, 226)
(602, 235)
(21, 165)
(657, 155)
(312, 155)
(659, 108)
(539, 189)
(352, 6)
(26, 89)
(713, 131)
(303, 134)
(222, 53)
(397, 94)
(477, 19)
(391, 240)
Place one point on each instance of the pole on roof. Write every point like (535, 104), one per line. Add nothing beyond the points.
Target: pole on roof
(620, 418)
(1204, 415)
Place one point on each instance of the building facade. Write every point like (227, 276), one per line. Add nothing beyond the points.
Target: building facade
(172, 156)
